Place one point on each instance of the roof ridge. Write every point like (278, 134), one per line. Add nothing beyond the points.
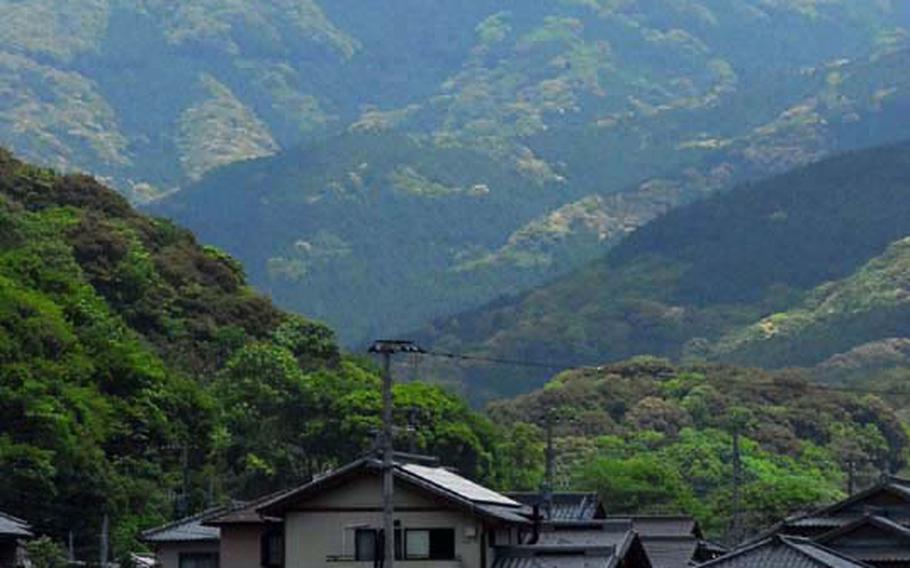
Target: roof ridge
(201, 515)
(14, 519)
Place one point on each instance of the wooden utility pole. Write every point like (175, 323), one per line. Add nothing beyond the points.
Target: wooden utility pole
(386, 349)
(105, 531)
(736, 529)
(549, 467)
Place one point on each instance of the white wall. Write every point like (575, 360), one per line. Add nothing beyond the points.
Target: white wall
(169, 554)
(323, 527)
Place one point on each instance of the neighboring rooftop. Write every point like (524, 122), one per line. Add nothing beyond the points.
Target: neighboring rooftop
(188, 529)
(11, 526)
(784, 552)
(611, 545)
(567, 506)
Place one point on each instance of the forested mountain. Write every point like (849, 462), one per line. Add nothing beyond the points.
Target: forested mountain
(789, 271)
(653, 437)
(136, 366)
(568, 102)
(351, 229)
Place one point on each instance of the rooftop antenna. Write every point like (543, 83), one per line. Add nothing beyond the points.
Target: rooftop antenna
(386, 348)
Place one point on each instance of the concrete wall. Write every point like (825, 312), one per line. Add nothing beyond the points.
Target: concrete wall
(168, 554)
(320, 534)
(240, 546)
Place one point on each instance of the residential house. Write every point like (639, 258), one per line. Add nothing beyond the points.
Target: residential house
(188, 542)
(872, 526)
(13, 532)
(781, 551)
(671, 541)
(442, 520)
(250, 539)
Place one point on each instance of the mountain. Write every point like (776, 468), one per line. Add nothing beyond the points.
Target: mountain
(140, 377)
(567, 104)
(152, 96)
(787, 271)
(351, 229)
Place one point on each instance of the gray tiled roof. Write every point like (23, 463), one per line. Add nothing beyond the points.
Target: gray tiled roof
(189, 529)
(567, 506)
(12, 526)
(784, 552)
(670, 552)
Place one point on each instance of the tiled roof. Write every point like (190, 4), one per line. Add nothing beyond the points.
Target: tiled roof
(670, 552)
(12, 526)
(440, 481)
(892, 542)
(189, 529)
(784, 552)
(567, 506)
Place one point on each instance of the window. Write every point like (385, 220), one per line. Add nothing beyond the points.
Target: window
(365, 542)
(198, 560)
(432, 544)
(272, 548)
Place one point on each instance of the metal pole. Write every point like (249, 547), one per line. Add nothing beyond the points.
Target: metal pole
(388, 478)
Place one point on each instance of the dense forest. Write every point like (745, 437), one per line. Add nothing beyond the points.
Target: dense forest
(137, 365)
(788, 271)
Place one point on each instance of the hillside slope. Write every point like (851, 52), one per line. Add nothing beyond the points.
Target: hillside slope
(140, 377)
(678, 284)
(321, 227)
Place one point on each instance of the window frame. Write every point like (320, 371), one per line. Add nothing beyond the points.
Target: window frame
(430, 549)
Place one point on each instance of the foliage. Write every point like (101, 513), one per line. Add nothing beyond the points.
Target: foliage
(141, 378)
(668, 447)
(44, 552)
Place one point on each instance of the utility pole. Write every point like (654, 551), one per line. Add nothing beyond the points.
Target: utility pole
(736, 529)
(105, 530)
(386, 349)
(851, 476)
(550, 465)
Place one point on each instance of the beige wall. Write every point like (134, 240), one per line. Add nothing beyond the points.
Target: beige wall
(169, 554)
(324, 526)
(240, 546)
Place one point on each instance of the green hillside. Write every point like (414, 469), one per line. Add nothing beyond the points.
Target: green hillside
(684, 281)
(142, 378)
(653, 437)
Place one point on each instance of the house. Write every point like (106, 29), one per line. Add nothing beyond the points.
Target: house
(188, 542)
(781, 551)
(889, 499)
(13, 532)
(875, 540)
(670, 541)
(442, 520)
(249, 539)
(605, 545)
(872, 526)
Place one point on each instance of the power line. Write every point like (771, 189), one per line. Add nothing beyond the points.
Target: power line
(599, 368)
